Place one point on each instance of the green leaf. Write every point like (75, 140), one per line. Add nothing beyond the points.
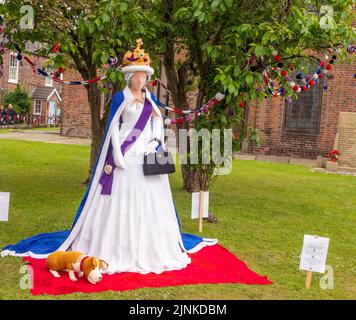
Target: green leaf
(249, 79)
(223, 119)
(112, 76)
(123, 6)
(228, 3)
(106, 17)
(245, 26)
(103, 58)
(215, 3)
(92, 27)
(259, 51)
(231, 88)
(237, 71)
(197, 13)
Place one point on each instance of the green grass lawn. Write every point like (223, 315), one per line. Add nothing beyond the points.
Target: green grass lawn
(264, 209)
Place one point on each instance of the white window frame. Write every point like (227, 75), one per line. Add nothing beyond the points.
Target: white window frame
(16, 78)
(35, 105)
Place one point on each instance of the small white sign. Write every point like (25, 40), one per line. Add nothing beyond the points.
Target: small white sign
(195, 205)
(4, 206)
(314, 253)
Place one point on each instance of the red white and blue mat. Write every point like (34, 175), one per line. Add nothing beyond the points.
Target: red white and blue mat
(211, 265)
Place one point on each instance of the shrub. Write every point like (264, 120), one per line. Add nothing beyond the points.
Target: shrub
(19, 99)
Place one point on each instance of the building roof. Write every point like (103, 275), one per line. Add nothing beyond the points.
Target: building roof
(44, 93)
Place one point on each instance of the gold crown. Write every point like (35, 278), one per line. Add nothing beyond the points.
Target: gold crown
(138, 60)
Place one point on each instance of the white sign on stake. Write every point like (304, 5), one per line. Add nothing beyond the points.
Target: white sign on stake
(4, 206)
(313, 258)
(195, 205)
(314, 253)
(200, 206)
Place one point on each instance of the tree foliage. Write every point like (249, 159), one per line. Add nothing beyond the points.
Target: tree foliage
(217, 37)
(220, 36)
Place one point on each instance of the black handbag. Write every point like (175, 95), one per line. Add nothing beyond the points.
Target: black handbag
(158, 162)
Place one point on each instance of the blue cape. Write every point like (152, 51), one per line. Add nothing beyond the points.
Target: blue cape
(40, 245)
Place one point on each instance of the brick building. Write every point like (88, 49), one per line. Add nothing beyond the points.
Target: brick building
(305, 127)
(46, 95)
(75, 120)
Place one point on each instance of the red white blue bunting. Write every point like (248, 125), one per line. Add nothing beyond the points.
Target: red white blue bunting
(302, 82)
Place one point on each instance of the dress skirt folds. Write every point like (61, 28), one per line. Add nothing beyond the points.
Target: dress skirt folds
(135, 229)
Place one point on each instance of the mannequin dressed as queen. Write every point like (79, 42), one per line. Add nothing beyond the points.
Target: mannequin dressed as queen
(125, 217)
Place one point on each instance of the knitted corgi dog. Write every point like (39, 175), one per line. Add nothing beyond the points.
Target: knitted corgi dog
(74, 261)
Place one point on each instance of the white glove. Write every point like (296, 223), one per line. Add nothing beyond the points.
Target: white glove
(156, 127)
(116, 147)
(151, 147)
(156, 133)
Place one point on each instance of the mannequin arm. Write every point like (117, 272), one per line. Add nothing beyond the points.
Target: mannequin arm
(156, 133)
(116, 146)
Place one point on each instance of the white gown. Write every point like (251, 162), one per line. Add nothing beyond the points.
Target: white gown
(134, 229)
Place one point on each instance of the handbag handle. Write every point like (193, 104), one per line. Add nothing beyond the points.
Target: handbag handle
(156, 139)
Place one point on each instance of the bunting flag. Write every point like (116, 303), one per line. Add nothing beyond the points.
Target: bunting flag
(188, 113)
(43, 72)
(303, 82)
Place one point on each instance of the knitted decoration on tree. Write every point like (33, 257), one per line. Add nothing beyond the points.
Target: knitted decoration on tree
(305, 81)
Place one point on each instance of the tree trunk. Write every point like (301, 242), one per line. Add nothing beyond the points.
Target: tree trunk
(97, 124)
(176, 84)
(191, 178)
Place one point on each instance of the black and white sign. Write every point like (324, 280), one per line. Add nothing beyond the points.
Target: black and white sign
(314, 253)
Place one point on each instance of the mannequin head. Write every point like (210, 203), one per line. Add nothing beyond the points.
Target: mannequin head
(138, 80)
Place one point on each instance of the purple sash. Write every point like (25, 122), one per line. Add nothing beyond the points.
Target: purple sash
(106, 180)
